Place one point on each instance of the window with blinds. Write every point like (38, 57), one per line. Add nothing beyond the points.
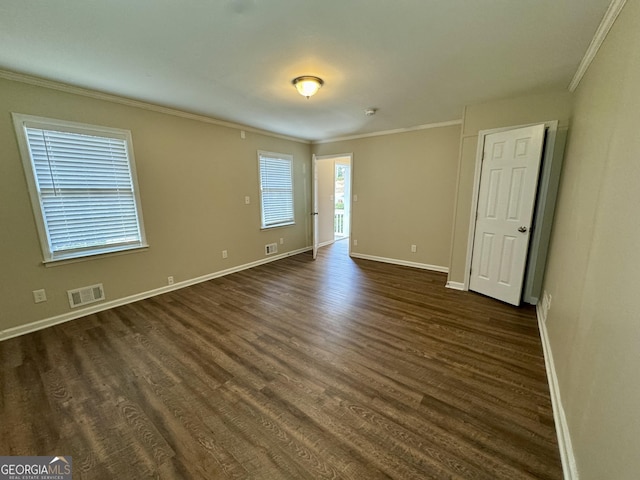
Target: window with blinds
(276, 189)
(83, 187)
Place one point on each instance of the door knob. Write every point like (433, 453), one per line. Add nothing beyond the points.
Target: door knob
(522, 229)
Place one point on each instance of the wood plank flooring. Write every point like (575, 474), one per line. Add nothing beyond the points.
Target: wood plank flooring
(333, 369)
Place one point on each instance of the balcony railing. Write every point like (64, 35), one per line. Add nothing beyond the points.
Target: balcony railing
(338, 223)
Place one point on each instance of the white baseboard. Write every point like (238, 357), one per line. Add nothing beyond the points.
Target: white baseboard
(423, 266)
(455, 285)
(66, 317)
(569, 467)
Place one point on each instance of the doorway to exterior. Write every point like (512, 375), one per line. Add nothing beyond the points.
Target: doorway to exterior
(332, 197)
(342, 197)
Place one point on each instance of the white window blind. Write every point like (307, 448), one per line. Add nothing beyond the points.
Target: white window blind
(276, 189)
(85, 188)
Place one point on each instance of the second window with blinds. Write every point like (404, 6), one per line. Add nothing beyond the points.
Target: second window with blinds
(276, 189)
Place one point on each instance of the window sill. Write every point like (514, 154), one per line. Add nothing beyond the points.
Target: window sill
(278, 225)
(93, 256)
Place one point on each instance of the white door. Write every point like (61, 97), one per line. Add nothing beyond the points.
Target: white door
(508, 184)
(314, 207)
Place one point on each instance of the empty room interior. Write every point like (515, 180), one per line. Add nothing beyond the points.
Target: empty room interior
(290, 240)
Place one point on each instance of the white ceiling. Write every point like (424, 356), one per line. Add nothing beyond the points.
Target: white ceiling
(417, 61)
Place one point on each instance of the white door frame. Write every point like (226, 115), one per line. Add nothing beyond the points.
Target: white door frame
(350, 157)
(551, 128)
(314, 206)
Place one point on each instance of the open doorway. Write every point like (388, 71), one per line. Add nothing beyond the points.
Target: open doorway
(342, 196)
(333, 176)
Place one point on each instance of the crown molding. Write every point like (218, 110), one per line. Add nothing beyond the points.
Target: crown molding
(63, 87)
(390, 132)
(601, 33)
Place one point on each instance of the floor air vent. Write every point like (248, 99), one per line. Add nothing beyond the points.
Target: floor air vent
(85, 295)
(271, 248)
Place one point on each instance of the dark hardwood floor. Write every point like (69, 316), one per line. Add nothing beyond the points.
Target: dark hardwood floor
(337, 368)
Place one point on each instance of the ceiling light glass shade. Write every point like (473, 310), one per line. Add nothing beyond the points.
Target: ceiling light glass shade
(307, 86)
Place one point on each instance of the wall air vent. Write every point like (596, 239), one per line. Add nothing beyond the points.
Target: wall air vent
(85, 295)
(271, 248)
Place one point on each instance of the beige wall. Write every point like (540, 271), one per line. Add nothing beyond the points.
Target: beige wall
(496, 114)
(193, 178)
(593, 323)
(405, 185)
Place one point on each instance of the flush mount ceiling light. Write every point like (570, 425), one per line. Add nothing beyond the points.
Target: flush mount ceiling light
(307, 85)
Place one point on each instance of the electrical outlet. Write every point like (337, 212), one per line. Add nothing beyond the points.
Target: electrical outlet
(224, 254)
(243, 135)
(355, 242)
(281, 241)
(548, 301)
(546, 305)
(170, 280)
(355, 198)
(414, 249)
(39, 296)
(247, 200)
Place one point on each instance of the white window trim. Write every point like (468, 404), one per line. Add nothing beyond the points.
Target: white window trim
(283, 156)
(22, 121)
